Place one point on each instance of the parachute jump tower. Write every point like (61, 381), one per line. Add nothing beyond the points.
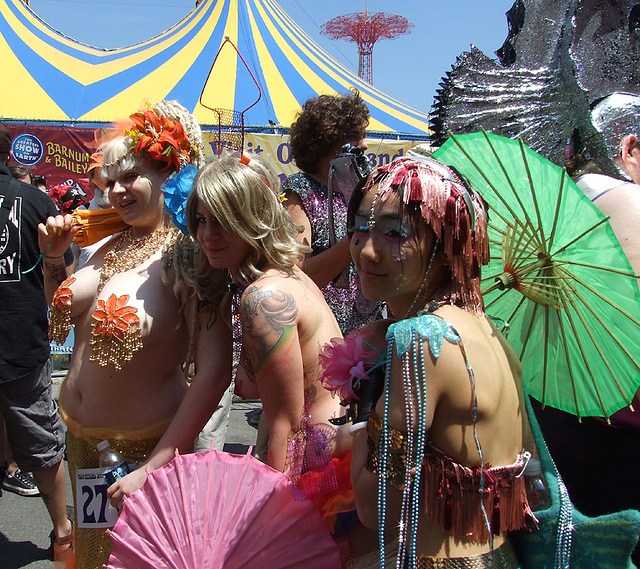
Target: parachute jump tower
(365, 29)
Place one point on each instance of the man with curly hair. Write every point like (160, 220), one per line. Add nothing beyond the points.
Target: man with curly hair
(324, 126)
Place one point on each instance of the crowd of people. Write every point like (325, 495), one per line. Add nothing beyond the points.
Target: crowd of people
(284, 283)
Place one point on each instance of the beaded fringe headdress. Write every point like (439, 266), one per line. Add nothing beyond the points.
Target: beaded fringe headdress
(451, 208)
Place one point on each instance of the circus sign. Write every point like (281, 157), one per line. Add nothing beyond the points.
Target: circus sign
(61, 154)
(58, 153)
(27, 149)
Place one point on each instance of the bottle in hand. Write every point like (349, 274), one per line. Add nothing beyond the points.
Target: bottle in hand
(113, 464)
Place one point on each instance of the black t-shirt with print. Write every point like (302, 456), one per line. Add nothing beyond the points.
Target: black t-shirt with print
(24, 342)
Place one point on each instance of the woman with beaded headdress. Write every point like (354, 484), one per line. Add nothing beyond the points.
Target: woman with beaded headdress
(440, 419)
(133, 313)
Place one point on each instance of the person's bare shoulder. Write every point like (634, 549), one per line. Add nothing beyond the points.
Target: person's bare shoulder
(476, 343)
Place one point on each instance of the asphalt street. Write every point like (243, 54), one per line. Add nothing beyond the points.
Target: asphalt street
(25, 525)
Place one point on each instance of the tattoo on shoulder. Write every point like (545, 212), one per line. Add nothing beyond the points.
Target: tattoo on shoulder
(267, 315)
(56, 272)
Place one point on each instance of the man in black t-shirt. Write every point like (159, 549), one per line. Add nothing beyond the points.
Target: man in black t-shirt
(34, 427)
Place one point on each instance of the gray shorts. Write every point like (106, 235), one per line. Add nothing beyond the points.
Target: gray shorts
(34, 427)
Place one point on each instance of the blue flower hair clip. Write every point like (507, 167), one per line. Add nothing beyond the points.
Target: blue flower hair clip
(176, 191)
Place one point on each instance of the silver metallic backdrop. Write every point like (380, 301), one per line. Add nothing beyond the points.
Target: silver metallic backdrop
(554, 79)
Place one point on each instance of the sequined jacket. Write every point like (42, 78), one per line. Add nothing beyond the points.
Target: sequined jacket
(351, 309)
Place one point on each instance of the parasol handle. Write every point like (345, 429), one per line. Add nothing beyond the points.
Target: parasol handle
(502, 282)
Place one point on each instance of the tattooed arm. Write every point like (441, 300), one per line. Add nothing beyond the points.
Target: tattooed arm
(54, 239)
(269, 315)
(213, 376)
(54, 276)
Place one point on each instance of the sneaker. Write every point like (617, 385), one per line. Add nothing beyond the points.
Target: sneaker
(21, 483)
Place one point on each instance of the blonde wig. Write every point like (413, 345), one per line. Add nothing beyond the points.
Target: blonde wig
(244, 197)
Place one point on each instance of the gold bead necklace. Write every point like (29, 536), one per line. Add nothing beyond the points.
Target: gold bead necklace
(129, 252)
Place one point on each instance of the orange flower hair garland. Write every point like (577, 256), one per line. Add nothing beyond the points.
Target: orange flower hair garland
(162, 138)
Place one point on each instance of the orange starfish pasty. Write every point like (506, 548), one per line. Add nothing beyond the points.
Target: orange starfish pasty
(113, 317)
(60, 313)
(63, 296)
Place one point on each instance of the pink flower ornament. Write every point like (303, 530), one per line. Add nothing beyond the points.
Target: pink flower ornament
(344, 365)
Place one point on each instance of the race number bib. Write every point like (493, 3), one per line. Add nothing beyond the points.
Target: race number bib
(93, 508)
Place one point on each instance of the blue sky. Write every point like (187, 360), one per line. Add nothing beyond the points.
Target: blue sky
(408, 68)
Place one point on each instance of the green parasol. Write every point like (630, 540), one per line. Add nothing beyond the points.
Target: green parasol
(557, 276)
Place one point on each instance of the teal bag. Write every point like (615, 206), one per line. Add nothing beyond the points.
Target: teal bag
(566, 538)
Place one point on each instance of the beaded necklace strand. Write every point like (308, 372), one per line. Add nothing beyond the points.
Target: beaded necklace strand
(413, 366)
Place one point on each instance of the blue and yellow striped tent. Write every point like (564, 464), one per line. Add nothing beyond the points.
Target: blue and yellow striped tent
(48, 76)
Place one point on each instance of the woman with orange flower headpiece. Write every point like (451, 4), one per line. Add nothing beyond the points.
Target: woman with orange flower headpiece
(133, 314)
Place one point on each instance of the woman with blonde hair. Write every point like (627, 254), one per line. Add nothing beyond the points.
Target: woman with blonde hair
(279, 320)
(132, 313)
(247, 240)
